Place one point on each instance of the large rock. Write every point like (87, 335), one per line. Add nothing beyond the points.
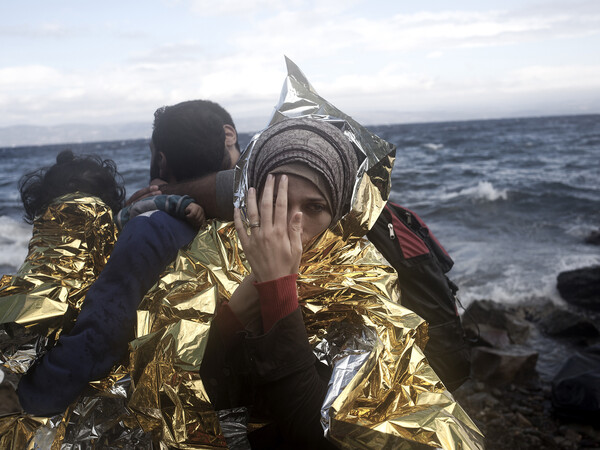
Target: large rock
(490, 336)
(576, 387)
(593, 238)
(581, 287)
(563, 323)
(503, 366)
(493, 314)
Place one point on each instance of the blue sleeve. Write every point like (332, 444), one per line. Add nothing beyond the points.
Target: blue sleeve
(172, 204)
(106, 322)
(175, 205)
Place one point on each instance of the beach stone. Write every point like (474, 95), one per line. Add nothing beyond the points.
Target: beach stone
(493, 337)
(522, 420)
(488, 312)
(518, 330)
(576, 387)
(503, 366)
(564, 323)
(533, 441)
(593, 238)
(482, 400)
(571, 434)
(580, 287)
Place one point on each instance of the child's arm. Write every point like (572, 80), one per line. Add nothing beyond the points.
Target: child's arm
(174, 205)
(194, 215)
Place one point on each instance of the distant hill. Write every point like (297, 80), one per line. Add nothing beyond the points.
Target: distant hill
(21, 135)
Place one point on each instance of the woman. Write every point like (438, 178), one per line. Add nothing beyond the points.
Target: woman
(304, 171)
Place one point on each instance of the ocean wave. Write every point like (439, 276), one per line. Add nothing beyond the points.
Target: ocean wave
(510, 285)
(483, 191)
(14, 238)
(432, 146)
(517, 282)
(581, 230)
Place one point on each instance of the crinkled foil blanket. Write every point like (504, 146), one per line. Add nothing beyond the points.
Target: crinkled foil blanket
(382, 391)
(70, 245)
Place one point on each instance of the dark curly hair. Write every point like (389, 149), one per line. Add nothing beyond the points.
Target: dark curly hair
(88, 174)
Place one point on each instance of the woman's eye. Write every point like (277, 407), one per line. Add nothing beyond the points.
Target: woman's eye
(316, 207)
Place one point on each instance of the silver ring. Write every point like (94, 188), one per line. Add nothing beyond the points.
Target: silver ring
(255, 225)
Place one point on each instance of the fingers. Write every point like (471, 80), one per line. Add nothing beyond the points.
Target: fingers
(252, 209)
(266, 204)
(157, 182)
(295, 233)
(240, 228)
(281, 204)
(194, 213)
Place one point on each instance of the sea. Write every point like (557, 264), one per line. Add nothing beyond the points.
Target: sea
(511, 200)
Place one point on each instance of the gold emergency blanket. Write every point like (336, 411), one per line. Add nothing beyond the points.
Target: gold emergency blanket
(382, 392)
(71, 243)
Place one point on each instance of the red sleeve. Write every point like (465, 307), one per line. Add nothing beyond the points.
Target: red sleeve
(278, 298)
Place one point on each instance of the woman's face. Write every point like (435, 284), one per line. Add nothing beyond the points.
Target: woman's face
(304, 197)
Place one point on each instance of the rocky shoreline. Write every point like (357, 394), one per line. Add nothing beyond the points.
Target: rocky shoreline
(515, 395)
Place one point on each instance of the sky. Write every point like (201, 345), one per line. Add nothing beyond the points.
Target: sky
(115, 62)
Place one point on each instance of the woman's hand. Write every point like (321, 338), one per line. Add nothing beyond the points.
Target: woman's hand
(273, 247)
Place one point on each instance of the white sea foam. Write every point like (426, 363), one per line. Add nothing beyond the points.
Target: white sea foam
(581, 230)
(483, 191)
(14, 237)
(519, 281)
(577, 261)
(511, 290)
(433, 146)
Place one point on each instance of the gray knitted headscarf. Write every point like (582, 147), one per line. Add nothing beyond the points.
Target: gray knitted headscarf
(315, 143)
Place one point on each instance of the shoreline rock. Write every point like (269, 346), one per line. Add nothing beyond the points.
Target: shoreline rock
(580, 287)
(509, 395)
(593, 238)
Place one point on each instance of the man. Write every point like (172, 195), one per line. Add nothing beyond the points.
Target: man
(189, 140)
(213, 191)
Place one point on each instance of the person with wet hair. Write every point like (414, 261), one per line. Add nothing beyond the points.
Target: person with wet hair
(71, 205)
(87, 174)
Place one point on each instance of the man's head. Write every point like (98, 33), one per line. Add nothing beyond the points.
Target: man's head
(231, 142)
(191, 139)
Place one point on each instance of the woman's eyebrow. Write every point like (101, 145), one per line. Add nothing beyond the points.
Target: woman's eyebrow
(316, 198)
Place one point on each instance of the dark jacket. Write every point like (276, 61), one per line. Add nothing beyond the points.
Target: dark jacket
(276, 375)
